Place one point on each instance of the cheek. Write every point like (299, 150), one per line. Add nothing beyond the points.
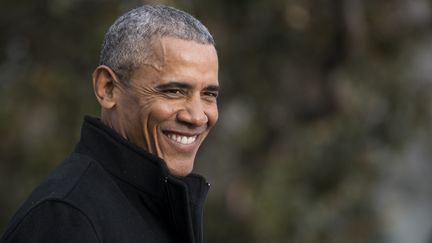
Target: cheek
(212, 115)
(158, 112)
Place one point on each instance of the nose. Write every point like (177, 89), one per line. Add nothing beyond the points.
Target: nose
(193, 113)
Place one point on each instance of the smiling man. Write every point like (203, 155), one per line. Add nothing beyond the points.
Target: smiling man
(168, 105)
(129, 178)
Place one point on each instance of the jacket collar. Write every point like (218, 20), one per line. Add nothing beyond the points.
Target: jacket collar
(183, 198)
(134, 165)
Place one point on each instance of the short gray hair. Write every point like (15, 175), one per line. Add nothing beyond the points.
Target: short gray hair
(127, 43)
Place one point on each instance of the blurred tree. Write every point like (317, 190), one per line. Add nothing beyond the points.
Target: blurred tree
(324, 107)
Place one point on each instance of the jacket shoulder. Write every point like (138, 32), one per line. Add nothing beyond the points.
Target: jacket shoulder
(52, 221)
(54, 188)
(82, 187)
(62, 181)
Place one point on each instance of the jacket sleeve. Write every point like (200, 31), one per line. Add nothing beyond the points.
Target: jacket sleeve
(52, 221)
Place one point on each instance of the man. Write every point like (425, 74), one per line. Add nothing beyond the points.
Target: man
(129, 178)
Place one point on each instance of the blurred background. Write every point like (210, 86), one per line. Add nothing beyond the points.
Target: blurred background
(325, 112)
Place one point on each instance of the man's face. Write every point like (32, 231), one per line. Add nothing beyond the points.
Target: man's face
(170, 105)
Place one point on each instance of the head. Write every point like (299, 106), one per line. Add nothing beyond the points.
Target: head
(157, 83)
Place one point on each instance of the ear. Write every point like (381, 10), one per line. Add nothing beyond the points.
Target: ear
(104, 86)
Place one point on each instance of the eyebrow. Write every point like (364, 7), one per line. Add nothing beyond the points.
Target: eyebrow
(174, 84)
(214, 88)
(183, 85)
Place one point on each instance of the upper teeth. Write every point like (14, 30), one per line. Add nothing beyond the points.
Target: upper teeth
(182, 139)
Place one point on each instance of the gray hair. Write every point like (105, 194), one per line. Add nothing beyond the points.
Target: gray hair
(127, 43)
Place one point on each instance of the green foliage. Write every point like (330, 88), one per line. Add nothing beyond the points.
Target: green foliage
(318, 99)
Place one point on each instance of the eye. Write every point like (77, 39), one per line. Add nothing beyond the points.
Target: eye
(173, 92)
(211, 94)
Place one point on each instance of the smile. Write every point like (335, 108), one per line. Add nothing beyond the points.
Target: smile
(182, 139)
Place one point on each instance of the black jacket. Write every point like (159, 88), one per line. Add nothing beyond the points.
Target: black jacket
(109, 190)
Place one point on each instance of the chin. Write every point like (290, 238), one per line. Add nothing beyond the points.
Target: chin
(180, 171)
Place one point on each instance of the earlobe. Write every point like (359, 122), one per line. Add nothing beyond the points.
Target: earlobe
(104, 86)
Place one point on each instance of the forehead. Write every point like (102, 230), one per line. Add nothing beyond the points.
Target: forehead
(180, 60)
(168, 49)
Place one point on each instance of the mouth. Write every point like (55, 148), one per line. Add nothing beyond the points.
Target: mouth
(181, 139)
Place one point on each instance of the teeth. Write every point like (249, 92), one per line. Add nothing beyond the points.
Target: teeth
(182, 139)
